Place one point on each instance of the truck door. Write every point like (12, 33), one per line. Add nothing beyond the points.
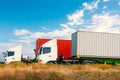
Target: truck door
(9, 57)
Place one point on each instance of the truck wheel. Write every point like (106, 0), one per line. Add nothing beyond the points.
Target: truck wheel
(87, 62)
(63, 63)
(50, 62)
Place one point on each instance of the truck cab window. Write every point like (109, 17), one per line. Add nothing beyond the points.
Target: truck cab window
(11, 53)
(46, 50)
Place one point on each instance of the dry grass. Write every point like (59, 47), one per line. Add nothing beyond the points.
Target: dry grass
(37, 71)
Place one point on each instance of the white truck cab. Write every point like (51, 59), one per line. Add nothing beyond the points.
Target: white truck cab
(48, 52)
(13, 54)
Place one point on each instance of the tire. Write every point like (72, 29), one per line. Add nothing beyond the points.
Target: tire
(51, 62)
(87, 62)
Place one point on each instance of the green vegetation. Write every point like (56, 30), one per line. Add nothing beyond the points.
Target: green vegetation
(37, 71)
(101, 60)
(1, 62)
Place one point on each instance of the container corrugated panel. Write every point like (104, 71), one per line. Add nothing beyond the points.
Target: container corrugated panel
(64, 47)
(96, 44)
(40, 42)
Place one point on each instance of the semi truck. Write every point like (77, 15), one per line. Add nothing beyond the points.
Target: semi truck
(85, 48)
(15, 54)
(52, 50)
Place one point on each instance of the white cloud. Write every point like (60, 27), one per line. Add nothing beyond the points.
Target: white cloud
(64, 33)
(105, 0)
(28, 50)
(5, 46)
(38, 34)
(21, 32)
(119, 3)
(23, 41)
(75, 18)
(105, 23)
(45, 28)
(93, 5)
(105, 7)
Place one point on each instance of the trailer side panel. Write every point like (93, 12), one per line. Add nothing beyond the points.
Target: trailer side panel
(96, 44)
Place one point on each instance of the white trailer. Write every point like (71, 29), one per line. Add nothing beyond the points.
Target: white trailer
(96, 44)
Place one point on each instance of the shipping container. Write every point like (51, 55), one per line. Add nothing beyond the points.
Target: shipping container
(96, 44)
(64, 48)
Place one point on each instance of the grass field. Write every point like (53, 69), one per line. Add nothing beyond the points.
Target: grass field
(37, 71)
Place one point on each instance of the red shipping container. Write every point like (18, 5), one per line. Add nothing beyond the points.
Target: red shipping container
(64, 47)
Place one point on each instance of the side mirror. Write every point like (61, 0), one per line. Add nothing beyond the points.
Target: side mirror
(4, 53)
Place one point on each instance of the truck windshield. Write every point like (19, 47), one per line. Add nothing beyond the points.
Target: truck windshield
(46, 50)
(10, 53)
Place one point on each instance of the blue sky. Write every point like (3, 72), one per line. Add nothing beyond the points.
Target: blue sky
(23, 21)
(33, 14)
